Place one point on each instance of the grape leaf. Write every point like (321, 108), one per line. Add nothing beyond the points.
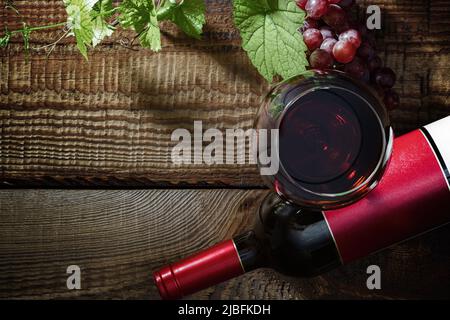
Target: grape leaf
(102, 11)
(151, 38)
(188, 15)
(140, 15)
(269, 32)
(80, 22)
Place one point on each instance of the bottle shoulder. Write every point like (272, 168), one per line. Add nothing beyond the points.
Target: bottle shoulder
(296, 242)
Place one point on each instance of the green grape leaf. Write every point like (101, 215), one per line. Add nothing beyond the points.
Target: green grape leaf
(140, 15)
(188, 15)
(80, 22)
(102, 11)
(151, 38)
(269, 32)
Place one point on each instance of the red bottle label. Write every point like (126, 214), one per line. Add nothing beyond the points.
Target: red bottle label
(412, 197)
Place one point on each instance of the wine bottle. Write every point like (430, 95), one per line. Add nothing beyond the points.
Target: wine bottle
(412, 197)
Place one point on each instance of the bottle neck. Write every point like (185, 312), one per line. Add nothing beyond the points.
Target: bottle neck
(249, 250)
(214, 265)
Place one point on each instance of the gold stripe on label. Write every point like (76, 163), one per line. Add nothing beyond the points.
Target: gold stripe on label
(239, 257)
(332, 236)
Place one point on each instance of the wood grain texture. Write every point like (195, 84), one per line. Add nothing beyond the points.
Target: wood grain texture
(107, 121)
(119, 237)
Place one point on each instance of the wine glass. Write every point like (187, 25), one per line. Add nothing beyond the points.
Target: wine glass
(333, 139)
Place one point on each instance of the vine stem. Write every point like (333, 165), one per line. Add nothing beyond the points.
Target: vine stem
(39, 28)
(52, 46)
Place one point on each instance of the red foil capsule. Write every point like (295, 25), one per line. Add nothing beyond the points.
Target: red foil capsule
(214, 265)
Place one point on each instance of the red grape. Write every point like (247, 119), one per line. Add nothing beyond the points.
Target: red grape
(328, 45)
(347, 3)
(366, 76)
(380, 91)
(366, 51)
(362, 28)
(335, 16)
(316, 8)
(384, 77)
(331, 35)
(313, 38)
(375, 63)
(356, 68)
(344, 51)
(391, 99)
(351, 36)
(320, 59)
(308, 24)
(301, 4)
(327, 32)
(342, 28)
(370, 39)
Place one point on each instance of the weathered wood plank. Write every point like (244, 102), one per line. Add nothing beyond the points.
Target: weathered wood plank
(119, 237)
(107, 121)
(119, 122)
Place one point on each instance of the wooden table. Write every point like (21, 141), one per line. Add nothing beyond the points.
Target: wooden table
(86, 171)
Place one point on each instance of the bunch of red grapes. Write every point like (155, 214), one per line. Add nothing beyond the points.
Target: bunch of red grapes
(334, 41)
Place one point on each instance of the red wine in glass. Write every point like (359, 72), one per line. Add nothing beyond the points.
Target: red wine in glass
(334, 139)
